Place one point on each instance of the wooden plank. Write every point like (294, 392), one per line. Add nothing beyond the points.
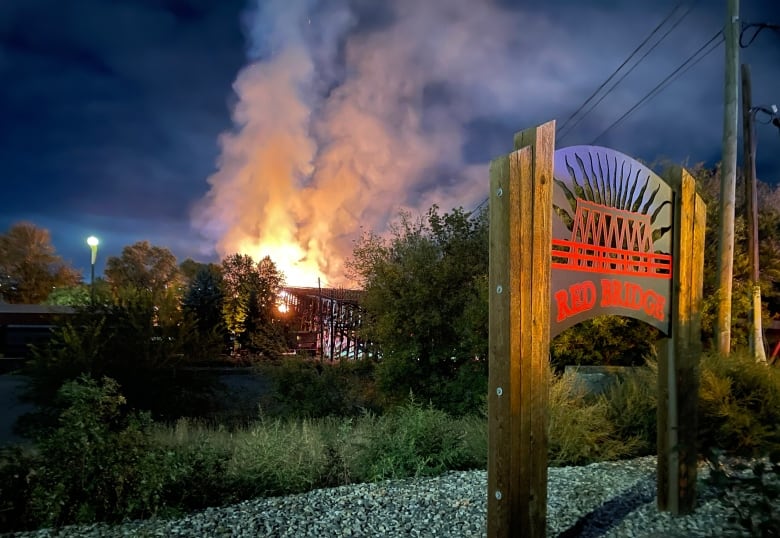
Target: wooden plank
(668, 452)
(678, 360)
(663, 347)
(520, 242)
(689, 342)
(521, 175)
(498, 351)
(540, 322)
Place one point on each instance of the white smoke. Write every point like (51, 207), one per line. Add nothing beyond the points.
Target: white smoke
(340, 124)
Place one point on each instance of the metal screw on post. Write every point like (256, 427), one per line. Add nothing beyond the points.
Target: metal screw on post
(93, 242)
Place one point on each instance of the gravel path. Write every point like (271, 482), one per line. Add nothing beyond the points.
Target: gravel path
(611, 499)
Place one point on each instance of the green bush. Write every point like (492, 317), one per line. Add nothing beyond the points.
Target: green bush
(19, 471)
(305, 388)
(99, 464)
(632, 405)
(580, 430)
(198, 462)
(604, 341)
(739, 405)
(474, 438)
(412, 440)
(138, 341)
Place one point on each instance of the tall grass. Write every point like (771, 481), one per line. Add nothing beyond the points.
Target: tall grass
(189, 465)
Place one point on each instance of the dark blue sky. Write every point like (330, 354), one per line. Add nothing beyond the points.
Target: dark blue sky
(117, 118)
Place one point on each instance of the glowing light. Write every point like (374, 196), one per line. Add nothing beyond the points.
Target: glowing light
(290, 259)
(283, 308)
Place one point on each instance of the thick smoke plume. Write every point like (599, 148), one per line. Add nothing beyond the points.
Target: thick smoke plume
(346, 115)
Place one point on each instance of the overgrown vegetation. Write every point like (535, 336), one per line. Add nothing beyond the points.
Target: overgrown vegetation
(111, 442)
(103, 461)
(739, 405)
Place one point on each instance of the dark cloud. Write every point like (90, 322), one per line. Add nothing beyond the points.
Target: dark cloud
(111, 112)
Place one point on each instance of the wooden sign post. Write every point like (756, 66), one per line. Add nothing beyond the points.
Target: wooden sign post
(520, 236)
(678, 356)
(574, 234)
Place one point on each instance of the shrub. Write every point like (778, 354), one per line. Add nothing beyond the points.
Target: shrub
(197, 466)
(99, 463)
(412, 440)
(604, 341)
(580, 430)
(632, 405)
(474, 439)
(277, 457)
(739, 405)
(19, 472)
(306, 388)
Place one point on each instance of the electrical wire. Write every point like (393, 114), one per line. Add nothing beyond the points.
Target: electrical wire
(614, 73)
(681, 69)
(563, 135)
(758, 28)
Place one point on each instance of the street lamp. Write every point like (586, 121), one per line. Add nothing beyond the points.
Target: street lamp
(92, 241)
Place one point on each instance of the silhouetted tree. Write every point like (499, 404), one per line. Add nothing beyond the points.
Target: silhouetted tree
(29, 266)
(203, 298)
(142, 266)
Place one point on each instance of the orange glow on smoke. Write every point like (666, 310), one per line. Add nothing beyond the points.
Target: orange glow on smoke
(290, 259)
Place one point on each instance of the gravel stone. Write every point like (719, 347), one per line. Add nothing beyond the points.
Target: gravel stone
(609, 499)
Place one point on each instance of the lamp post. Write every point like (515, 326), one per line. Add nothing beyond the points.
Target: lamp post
(92, 241)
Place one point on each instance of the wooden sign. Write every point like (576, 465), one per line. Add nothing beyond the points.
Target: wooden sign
(575, 233)
(611, 243)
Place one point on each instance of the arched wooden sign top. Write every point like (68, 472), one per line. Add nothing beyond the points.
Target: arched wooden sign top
(611, 239)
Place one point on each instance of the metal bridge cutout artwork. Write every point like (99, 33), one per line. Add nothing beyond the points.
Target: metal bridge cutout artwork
(614, 216)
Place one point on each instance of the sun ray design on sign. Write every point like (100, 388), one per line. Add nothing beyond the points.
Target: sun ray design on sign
(612, 216)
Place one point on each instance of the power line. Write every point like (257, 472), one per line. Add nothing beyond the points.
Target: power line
(757, 29)
(682, 68)
(612, 88)
(635, 51)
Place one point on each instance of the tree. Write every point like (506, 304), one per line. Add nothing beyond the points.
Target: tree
(426, 303)
(270, 281)
(238, 279)
(142, 266)
(251, 292)
(204, 297)
(29, 266)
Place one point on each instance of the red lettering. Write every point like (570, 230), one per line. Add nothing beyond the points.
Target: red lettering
(653, 304)
(583, 296)
(562, 302)
(632, 296)
(610, 293)
(578, 298)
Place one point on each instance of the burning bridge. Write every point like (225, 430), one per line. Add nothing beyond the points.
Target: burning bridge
(326, 321)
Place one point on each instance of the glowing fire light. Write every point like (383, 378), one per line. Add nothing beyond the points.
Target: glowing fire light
(290, 259)
(282, 304)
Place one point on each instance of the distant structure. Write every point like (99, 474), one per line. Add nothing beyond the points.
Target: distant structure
(25, 324)
(326, 322)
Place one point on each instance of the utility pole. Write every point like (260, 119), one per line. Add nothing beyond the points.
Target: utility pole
(728, 179)
(751, 196)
